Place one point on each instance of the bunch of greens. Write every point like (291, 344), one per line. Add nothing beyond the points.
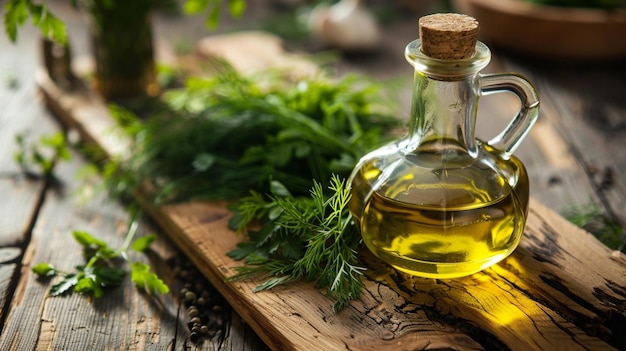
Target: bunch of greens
(283, 148)
(101, 271)
(220, 137)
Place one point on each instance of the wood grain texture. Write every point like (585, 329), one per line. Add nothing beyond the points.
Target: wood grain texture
(544, 296)
(124, 319)
(585, 106)
(20, 195)
(18, 115)
(558, 177)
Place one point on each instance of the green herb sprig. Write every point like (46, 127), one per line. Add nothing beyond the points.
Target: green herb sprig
(305, 237)
(18, 11)
(101, 271)
(40, 157)
(213, 8)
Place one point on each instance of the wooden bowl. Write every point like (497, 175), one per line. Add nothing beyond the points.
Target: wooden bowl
(549, 32)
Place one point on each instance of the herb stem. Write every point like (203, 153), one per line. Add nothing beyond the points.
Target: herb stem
(315, 128)
(132, 230)
(92, 261)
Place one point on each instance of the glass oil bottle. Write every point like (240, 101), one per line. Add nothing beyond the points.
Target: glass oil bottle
(440, 203)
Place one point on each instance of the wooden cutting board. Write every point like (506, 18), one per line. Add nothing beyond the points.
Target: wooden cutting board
(560, 290)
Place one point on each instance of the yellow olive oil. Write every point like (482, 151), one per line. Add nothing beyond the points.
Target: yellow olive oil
(443, 230)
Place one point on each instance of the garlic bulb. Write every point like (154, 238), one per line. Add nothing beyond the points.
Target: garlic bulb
(346, 25)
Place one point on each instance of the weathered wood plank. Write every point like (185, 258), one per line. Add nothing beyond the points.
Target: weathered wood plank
(18, 116)
(585, 105)
(542, 297)
(557, 178)
(7, 271)
(20, 196)
(125, 318)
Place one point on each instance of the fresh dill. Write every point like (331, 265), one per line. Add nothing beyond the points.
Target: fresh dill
(306, 237)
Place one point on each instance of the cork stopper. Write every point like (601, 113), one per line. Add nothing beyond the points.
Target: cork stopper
(448, 36)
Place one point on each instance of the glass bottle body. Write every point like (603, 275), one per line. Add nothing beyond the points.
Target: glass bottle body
(440, 203)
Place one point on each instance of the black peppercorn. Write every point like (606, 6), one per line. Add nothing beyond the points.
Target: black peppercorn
(193, 311)
(194, 337)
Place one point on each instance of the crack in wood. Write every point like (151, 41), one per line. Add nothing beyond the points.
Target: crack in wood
(568, 332)
(615, 322)
(9, 254)
(408, 304)
(546, 248)
(23, 246)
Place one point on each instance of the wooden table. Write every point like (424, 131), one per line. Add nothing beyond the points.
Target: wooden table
(575, 155)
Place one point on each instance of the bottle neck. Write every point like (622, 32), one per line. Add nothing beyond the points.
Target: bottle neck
(445, 100)
(443, 115)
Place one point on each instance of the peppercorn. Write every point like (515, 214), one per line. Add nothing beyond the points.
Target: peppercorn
(193, 311)
(194, 337)
(204, 330)
(201, 301)
(205, 307)
(190, 297)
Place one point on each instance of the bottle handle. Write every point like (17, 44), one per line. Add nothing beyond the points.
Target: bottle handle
(510, 138)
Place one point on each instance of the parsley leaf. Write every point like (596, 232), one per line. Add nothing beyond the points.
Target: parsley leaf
(100, 271)
(109, 276)
(235, 7)
(143, 243)
(52, 27)
(44, 270)
(18, 11)
(144, 279)
(88, 285)
(87, 240)
(15, 16)
(68, 282)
